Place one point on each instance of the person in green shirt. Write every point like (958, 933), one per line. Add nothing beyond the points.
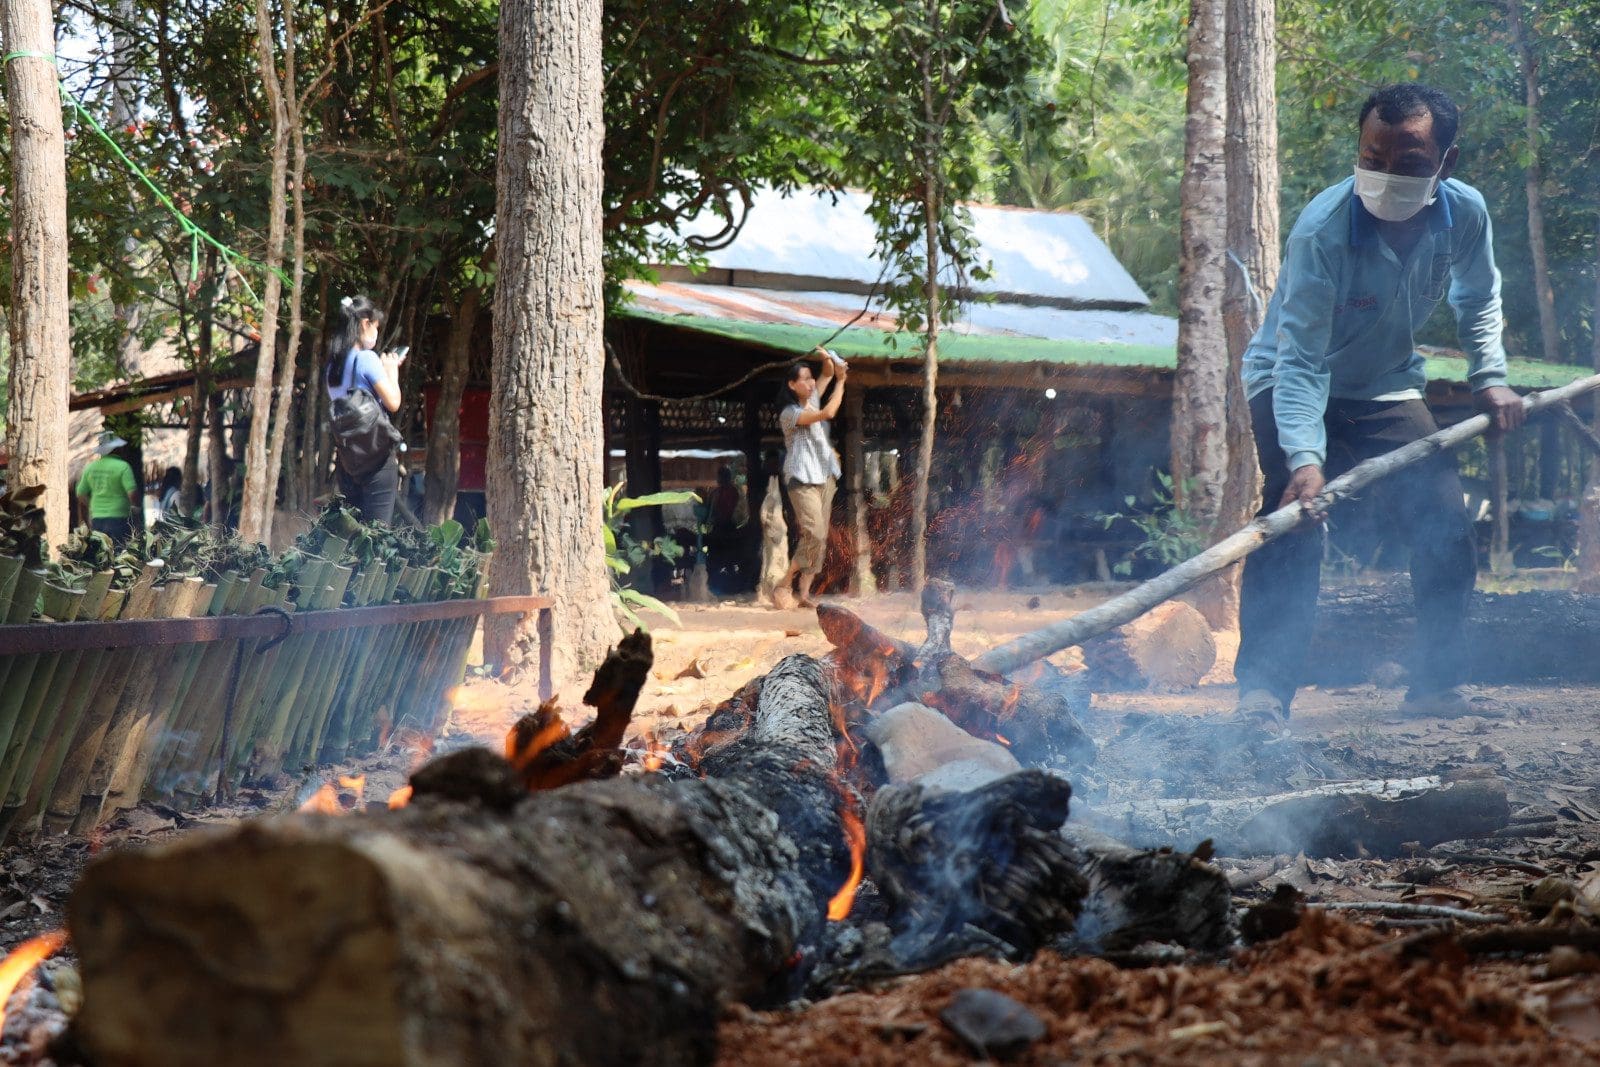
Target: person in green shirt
(108, 492)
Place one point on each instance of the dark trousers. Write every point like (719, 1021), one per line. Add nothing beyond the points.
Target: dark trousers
(119, 530)
(372, 497)
(1278, 598)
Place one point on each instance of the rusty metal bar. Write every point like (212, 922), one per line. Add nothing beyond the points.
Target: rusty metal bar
(32, 638)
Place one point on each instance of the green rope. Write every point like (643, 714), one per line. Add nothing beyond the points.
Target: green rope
(230, 256)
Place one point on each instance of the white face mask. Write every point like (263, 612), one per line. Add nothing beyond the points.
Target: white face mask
(1395, 197)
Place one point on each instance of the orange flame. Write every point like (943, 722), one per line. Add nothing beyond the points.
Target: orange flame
(325, 801)
(855, 835)
(1003, 739)
(400, 798)
(24, 958)
(654, 753)
(549, 731)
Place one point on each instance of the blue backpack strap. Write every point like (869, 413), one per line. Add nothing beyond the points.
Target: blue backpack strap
(349, 370)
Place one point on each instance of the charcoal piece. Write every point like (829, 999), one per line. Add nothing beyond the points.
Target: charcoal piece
(991, 1023)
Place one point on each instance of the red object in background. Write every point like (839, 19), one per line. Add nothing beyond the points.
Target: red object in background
(472, 440)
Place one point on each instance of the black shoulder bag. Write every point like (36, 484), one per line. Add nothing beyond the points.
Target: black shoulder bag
(363, 437)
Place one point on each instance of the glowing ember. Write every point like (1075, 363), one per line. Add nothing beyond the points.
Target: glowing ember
(400, 797)
(357, 783)
(855, 835)
(24, 958)
(1003, 740)
(325, 801)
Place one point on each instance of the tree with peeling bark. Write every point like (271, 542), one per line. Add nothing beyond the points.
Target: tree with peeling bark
(1200, 438)
(545, 476)
(41, 358)
(1533, 181)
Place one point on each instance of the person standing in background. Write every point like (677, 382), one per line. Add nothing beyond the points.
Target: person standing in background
(352, 365)
(810, 465)
(107, 491)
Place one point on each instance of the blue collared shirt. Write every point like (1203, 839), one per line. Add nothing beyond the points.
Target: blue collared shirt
(1343, 319)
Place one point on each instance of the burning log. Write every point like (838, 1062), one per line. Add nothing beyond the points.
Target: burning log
(546, 756)
(1169, 648)
(1038, 723)
(1374, 817)
(1510, 638)
(605, 922)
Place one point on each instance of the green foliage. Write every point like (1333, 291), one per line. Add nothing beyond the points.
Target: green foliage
(1171, 534)
(624, 552)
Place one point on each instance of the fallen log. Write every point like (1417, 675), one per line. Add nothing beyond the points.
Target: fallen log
(1375, 817)
(605, 922)
(1510, 638)
(1004, 659)
(1170, 647)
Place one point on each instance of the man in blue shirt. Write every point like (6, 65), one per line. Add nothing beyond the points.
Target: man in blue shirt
(1334, 378)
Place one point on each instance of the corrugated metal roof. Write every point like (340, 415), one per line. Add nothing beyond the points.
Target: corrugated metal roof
(818, 237)
(796, 322)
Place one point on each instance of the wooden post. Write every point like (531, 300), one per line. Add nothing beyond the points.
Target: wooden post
(1500, 558)
(861, 581)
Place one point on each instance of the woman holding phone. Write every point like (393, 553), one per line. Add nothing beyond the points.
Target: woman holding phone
(368, 482)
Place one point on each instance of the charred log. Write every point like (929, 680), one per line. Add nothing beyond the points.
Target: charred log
(547, 756)
(971, 870)
(605, 922)
(1510, 638)
(1343, 819)
(1143, 895)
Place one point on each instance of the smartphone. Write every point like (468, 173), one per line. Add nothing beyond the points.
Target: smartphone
(400, 352)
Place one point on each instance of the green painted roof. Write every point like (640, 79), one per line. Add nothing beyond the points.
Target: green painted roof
(869, 344)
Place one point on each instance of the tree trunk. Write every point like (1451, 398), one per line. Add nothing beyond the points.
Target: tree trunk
(260, 478)
(216, 461)
(606, 922)
(444, 435)
(283, 399)
(862, 582)
(1252, 192)
(41, 355)
(1533, 177)
(1200, 389)
(1589, 515)
(931, 207)
(546, 468)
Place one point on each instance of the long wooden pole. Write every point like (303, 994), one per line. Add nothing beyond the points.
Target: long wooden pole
(1135, 602)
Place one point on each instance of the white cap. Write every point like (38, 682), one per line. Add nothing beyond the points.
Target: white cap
(108, 443)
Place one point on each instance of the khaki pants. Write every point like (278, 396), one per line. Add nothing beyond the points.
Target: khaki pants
(813, 505)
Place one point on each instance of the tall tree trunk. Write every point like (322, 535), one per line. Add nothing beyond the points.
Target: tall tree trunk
(261, 477)
(125, 105)
(1549, 331)
(1589, 515)
(284, 396)
(931, 204)
(546, 467)
(189, 492)
(1252, 273)
(1200, 390)
(444, 434)
(216, 461)
(41, 353)
(314, 459)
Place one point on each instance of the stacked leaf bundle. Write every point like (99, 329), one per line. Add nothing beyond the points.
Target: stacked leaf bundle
(85, 733)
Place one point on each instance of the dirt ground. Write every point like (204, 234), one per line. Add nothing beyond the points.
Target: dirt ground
(1330, 993)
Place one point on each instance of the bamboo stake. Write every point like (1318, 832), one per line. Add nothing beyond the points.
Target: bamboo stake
(1048, 640)
(66, 795)
(249, 659)
(35, 727)
(350, 685)
(21, 704)
(172, 600)
(315, 698)
(310, 746)
(176, 754)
